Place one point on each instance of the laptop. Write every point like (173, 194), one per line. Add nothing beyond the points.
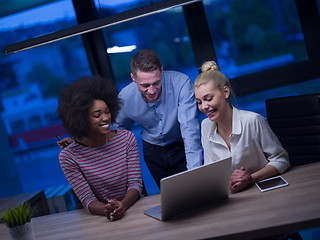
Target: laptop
(192, 188)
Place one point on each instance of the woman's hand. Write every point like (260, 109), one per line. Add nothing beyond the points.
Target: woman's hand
(240, 179)
(114, 210)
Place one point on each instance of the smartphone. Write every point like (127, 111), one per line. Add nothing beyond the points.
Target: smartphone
(59, 138)
(271, 183)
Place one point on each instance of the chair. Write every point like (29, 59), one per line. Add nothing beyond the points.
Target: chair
(296, 122)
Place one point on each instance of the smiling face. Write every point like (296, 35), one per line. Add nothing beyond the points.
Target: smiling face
(99, 118)
(212, 101)
(149, 84)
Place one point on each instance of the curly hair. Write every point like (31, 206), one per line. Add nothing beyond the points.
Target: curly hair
(76, 99)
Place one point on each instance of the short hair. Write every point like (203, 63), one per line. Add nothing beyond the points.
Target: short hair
(146, 60)
(77, 98)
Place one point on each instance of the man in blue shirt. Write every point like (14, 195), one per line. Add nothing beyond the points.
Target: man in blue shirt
(163, 103)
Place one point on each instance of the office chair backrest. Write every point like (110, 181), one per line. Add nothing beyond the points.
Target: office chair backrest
(296, 122)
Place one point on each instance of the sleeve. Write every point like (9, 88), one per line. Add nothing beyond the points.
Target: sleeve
(122, 120)
(276, 155)
(134, 170)
(190, 125)
(76, 179)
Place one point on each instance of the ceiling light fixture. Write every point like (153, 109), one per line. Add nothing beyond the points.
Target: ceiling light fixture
(96, 25)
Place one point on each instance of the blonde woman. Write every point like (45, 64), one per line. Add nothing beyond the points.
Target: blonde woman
(245, 136)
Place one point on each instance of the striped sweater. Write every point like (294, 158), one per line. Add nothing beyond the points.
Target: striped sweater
(105, 172)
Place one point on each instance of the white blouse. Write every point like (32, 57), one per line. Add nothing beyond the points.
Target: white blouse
(253, 143)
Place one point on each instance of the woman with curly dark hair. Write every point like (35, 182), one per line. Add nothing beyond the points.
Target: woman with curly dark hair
(101, 165)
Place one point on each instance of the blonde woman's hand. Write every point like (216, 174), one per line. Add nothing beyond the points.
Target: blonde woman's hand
(240, 179)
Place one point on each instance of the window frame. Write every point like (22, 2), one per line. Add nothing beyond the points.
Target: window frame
(200, 39)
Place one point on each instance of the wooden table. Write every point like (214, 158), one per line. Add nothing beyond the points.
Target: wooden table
(245, 215)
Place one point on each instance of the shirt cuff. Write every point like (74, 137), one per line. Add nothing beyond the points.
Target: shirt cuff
(281, 165)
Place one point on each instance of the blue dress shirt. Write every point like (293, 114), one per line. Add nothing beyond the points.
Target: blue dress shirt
(171, 118)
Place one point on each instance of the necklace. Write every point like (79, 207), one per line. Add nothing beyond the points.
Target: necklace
(98, 153)
(108, 139)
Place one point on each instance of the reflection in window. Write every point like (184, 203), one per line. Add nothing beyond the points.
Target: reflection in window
(37, 21)
(34, 122)
(256, 101)
(29, 87)
(107, 8)
(17, 125)
(51, 118)
(158, 32)
(250, 36)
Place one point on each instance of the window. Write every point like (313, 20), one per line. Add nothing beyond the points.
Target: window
(29, 86)
(37, 21)
(16, 125)
(256, 101)
(107, 7)
(254, 35)
(51, 118)
(174, 47)
(34, 122)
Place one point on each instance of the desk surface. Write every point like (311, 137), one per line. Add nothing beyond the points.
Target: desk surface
(245, 215)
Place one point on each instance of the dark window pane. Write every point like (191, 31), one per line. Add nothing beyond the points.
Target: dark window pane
(174, 47)
(29, 85)
(17, 125)
(107, 7)
(34, 122)
(254, 35)
(38, 21)
(51, 118)
(256, 101)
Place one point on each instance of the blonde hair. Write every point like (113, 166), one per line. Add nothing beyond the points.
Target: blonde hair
(210, 73)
